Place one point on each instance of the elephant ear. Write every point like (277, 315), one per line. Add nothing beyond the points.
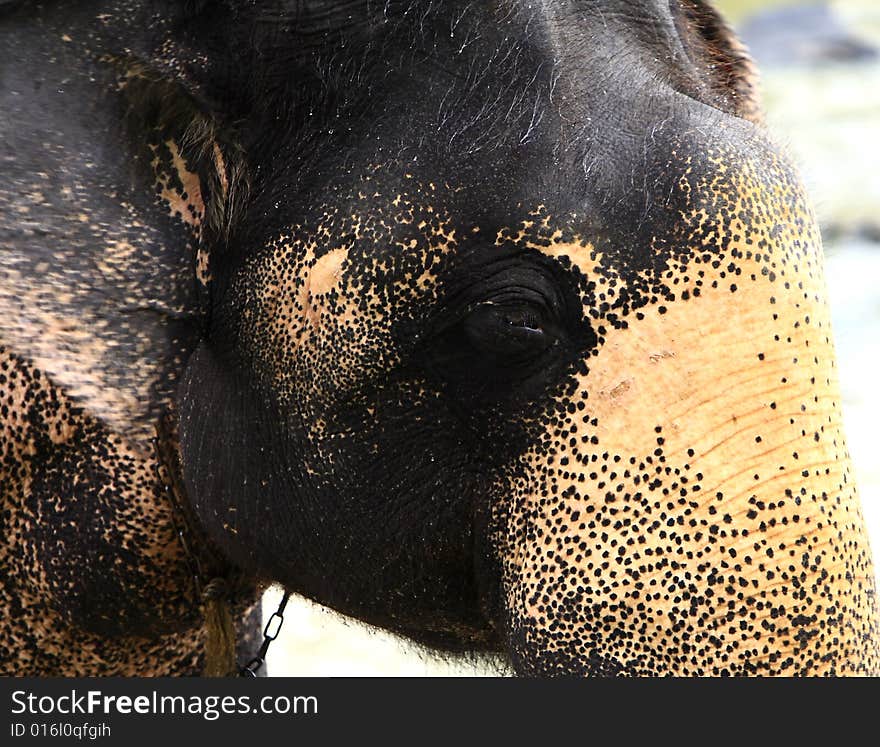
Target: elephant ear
(115, 183)
(721, 58)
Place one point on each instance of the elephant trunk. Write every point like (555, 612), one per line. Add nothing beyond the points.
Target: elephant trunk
(695, 513)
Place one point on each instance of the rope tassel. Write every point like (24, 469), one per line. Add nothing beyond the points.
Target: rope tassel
(219, 630)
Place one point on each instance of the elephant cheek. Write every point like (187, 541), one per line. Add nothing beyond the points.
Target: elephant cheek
(699, 515)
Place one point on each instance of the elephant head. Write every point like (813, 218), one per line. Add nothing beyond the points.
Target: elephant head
(512, 333)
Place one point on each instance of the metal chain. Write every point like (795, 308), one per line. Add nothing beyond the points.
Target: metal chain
(270, 633)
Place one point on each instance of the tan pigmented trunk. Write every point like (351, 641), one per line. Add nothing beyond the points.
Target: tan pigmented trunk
(699, 516)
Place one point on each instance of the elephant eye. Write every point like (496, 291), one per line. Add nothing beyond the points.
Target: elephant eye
(509, 333)
(502, 331)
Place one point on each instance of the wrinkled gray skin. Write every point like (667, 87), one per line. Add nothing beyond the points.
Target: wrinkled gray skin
(500, 325)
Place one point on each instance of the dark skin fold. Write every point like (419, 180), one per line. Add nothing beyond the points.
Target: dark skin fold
(426, 288)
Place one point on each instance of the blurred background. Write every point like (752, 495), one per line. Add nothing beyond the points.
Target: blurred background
(820, 66)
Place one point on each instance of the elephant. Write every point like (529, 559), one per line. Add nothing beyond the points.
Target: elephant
(498, 325)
